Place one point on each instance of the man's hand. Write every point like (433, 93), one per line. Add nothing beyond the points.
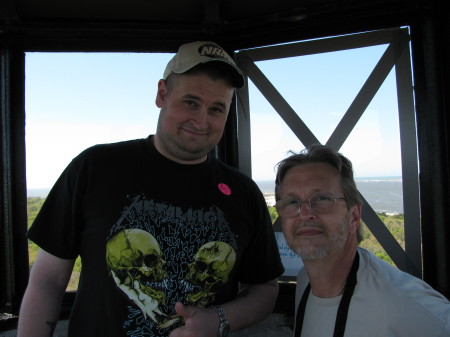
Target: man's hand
(198, 322)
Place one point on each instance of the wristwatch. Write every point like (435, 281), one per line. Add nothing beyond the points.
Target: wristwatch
(224, 326)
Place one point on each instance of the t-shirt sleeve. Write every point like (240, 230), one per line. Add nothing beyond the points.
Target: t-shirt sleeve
(261, 262)
(56, 228)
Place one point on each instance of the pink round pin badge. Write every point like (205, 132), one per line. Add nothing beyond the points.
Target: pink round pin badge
(224, 189)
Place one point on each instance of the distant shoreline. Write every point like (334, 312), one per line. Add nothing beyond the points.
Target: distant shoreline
(38, 192)
(269, 197)
(383, 193)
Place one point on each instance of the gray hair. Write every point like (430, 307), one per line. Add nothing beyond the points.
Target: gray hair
(323, 154)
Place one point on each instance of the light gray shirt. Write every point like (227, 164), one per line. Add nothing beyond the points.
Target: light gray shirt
(386, 302)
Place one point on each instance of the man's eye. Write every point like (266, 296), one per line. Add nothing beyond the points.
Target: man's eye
(291, 202)
(216, 110)
(191, 103)
(320, 198)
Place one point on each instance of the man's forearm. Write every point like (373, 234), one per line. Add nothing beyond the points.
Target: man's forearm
(41, 303)
(39, 313)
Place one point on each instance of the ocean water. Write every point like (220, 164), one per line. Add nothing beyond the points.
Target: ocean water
(384, 194)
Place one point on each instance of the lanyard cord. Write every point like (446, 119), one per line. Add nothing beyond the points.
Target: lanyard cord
(344, 304)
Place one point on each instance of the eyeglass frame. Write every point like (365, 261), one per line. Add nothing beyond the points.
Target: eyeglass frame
(311, 208)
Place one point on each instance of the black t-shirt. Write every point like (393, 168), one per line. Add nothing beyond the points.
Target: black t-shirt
(151, 232)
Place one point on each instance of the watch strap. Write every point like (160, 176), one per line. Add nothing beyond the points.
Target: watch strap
(224, 326)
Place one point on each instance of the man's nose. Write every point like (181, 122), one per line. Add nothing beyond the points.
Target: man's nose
(305, 210)
(201, 117)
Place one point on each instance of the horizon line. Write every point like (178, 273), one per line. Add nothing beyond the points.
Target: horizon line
(356, 178)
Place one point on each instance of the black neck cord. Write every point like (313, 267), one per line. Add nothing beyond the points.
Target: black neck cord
(344, 304)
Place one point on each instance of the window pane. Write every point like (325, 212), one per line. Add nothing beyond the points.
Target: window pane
(76, 100)
(320, 88)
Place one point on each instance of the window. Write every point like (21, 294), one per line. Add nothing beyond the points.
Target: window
(353, 93)
(76, 100)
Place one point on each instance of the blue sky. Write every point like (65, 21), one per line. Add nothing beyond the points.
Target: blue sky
(75, 100)
(320, 88)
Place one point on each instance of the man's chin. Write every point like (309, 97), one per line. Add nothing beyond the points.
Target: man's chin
(314, 253)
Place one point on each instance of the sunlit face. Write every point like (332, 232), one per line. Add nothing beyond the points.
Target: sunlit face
(310, 235)
(192, 118)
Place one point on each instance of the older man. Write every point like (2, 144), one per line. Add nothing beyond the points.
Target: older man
(344, 290)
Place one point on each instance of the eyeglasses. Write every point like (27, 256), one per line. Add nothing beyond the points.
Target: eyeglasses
(318, 204)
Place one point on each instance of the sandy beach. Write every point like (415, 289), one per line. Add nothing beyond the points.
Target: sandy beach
(270, 199)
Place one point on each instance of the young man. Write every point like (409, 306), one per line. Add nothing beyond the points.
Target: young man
(344, 290)
(172, 241)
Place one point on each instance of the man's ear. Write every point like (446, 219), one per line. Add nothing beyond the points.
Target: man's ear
(355, 218)
(161, 93)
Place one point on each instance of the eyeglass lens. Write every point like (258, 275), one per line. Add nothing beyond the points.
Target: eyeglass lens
(318, 204)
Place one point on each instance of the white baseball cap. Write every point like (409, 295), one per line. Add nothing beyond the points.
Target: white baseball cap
(191, 54)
